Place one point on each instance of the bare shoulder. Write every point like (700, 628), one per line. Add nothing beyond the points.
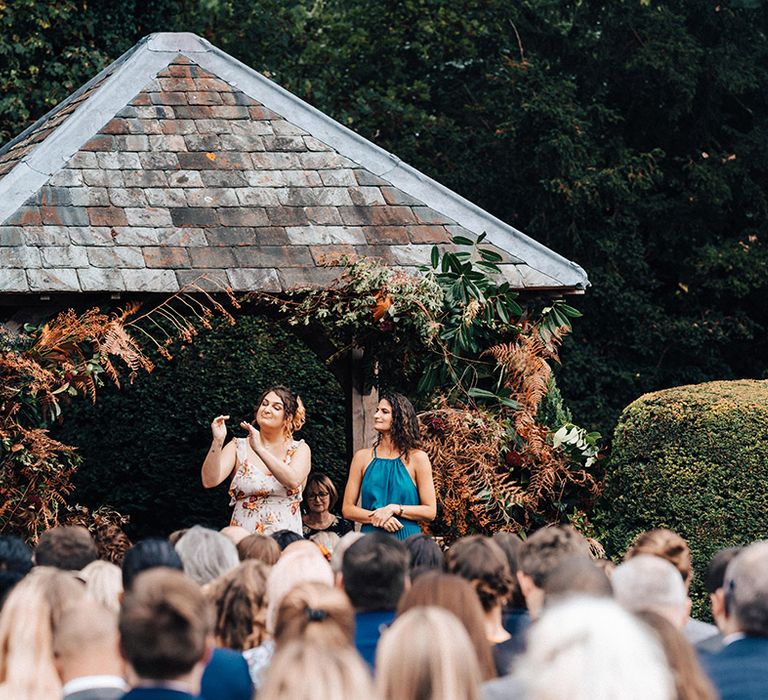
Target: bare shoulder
(303, 448)
(419, 458)
(364, 455)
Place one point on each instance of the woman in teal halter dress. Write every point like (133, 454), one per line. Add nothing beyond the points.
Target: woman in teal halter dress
(393, 480)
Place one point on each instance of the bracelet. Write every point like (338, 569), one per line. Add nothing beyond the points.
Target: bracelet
(402, 508)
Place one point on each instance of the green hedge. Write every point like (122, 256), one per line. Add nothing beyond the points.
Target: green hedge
(693, 459)
(143, 445)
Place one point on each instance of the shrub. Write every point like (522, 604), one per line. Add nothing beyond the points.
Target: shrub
(142, 446)
(693, 459)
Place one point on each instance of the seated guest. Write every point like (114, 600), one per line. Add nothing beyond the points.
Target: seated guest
(67, 547)
(576, 575)
(226, 674)
(690, 680)
(31, 612)
(740, 670)
(482, 562)
(206, 554)
(540, 554)
(103, 584)
(148, 554)
(15, 563)
(514, 616)
(374, 576)
(164, 626)
(306, 671)
(239, 599)
(427, 655)
(318, 504)
(588, 649)
(85, 649)
(713, 585)
(670, 546)
(651, 583)
(302, 562)
(425, 554)
(316, 613)
(261, 547)
(457, 596)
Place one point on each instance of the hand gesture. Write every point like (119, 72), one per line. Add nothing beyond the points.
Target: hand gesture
(219, 428)
(393, 525)
(254, 436)
(381, 515)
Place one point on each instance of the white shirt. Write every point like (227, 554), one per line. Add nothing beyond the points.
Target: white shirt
(90, 682)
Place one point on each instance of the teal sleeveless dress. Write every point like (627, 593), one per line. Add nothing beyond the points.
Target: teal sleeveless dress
(387, 481)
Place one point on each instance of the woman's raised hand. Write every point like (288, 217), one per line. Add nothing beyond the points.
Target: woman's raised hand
(219, 428)
(254, 436)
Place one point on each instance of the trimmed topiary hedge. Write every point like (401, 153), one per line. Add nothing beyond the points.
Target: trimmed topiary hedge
(693, 459)
(143, 445)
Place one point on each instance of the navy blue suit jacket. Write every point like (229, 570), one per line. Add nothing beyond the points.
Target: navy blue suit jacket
(157, 694)
(740, 670)
(226, 677)
(368, 628)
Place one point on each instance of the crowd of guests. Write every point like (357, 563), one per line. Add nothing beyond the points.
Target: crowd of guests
(231, 616)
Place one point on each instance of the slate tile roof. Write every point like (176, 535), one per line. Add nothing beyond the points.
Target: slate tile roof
(193, 176)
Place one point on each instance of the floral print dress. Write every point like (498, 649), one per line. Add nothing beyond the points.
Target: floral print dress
(261, 503)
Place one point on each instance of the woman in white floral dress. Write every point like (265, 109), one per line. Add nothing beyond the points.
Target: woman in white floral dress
(269, 466)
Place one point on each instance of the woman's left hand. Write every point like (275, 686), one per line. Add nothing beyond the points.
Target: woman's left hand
(254, 436)
(381, 515)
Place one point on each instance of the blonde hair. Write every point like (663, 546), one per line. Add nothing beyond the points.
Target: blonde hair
(103, 584)
(31, 611)
(301, 562)
(427, 655)
(668, 545)
(305, 671)
(317, 613)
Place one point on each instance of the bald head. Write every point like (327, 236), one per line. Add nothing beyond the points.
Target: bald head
(647, 582)
(746, 589)
(85, 642)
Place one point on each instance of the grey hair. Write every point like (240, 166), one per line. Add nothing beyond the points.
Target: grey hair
(592, 649)
(342, 546)
(746, 589)
(206, 554)
(648, 582)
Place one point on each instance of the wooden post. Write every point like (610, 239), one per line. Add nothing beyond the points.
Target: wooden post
(362, 407)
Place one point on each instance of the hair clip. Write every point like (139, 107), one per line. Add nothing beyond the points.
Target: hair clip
(314, 615)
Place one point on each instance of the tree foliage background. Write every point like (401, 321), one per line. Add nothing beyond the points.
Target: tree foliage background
(630, 136)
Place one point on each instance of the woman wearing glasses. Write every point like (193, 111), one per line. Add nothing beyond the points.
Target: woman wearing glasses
(320, 498)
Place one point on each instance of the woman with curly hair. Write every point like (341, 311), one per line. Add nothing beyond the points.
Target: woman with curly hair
(393, 479)
(269, 466)
(483, 563)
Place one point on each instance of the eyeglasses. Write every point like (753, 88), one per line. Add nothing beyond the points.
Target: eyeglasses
(324, 494)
